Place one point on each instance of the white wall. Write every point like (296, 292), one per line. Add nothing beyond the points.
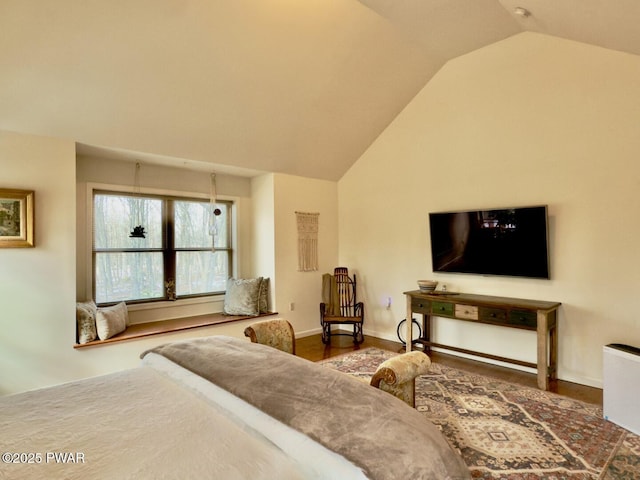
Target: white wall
(303, 289)
(276, 198)
(529, 120)
(37, 285)
(263, 260)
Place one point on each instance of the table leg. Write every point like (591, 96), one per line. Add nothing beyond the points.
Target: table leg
(543, 351)
(409, 325)
(553, 346)
(426, 329)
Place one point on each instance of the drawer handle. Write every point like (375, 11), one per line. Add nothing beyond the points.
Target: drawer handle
(493, 315)
(442, 309)
(420, 305)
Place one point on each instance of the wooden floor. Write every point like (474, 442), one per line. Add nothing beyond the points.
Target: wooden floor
(313, 349)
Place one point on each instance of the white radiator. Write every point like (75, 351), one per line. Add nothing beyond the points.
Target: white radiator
(621, 386)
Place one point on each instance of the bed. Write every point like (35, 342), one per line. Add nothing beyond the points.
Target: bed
(220, 407)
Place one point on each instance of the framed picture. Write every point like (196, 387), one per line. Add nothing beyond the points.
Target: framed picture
(16, 218)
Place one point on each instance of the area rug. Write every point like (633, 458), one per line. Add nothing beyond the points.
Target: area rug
(510, 432)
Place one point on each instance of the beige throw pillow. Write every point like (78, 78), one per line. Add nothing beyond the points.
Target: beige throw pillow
(242, 296)
(112, 320)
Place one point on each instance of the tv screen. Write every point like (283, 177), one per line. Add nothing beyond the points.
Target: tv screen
(509, 241)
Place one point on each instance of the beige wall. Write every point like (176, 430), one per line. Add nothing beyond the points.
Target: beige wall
(530, 120)
(303, 289)
(276, 198)
(262, 247)
(37, 285)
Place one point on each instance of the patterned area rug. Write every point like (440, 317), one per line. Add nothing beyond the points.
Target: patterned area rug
(510, 432)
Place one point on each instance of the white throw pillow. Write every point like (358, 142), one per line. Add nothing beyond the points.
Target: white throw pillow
(112, 320)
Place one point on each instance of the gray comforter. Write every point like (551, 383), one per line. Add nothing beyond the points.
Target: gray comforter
(371, 428)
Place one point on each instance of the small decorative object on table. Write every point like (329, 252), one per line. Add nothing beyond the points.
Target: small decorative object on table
(427, 285)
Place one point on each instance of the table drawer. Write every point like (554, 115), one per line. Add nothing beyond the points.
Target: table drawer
(443, 308)
(419, 305)
(467, 312)
(523, 318)
(488, 314)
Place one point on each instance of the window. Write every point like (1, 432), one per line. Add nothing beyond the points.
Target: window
(174, 259)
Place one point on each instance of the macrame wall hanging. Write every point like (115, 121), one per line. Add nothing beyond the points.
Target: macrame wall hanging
(307, 241)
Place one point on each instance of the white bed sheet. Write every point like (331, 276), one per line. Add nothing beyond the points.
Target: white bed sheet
(136, 424)
(315, 461)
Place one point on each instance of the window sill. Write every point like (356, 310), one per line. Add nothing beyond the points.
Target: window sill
(140, 330)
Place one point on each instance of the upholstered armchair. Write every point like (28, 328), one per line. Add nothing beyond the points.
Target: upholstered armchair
(398, 375)
(277, 333)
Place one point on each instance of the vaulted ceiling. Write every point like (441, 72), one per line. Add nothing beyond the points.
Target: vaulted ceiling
(294, 86)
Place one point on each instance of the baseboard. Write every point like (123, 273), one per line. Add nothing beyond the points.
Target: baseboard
(308, 333)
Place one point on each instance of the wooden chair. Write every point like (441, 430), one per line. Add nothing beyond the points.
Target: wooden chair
(277, 333)
(340, 306)
(398, 375)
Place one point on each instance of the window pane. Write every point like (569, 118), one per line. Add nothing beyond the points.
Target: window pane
(128, 276)
(201, 272)
(115, 216)
(194, 223)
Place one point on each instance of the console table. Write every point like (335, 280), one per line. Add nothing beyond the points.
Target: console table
(539, 316)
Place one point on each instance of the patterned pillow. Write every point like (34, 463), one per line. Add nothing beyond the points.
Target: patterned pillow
(112, 320)
(86, 321)
(242, 296)
(263, 305)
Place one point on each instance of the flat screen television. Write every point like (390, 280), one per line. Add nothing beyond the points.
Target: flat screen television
(507, 241)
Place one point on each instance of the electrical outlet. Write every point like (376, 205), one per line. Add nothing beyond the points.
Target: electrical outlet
(292, 306)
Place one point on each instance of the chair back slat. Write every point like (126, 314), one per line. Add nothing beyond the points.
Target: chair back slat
(346, 291)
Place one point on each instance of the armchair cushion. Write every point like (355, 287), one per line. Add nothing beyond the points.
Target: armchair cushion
(277, 333)
(397, 375)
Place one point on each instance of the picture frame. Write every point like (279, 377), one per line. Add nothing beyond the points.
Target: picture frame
(16, 218)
